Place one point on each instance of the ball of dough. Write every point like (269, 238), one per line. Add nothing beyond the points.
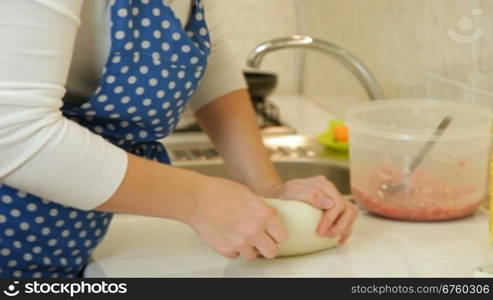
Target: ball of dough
(301, 221)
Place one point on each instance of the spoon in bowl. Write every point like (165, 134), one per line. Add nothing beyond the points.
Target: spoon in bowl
(418, 159)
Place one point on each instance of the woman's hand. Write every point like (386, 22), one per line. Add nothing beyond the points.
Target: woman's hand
(235, 221)
(339, 214)
(231, 124)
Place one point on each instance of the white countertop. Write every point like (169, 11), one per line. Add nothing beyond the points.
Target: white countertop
(150, 247)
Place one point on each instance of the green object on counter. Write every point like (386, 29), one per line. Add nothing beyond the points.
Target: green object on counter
(327, 138)
(335, 154)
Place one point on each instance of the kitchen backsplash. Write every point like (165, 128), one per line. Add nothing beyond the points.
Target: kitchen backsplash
(416, 48)
(248, 23)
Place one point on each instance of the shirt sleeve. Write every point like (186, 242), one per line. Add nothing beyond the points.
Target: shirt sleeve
(42, 152)
(223, 73)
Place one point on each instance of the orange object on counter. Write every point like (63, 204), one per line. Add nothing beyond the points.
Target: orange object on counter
(341, 133)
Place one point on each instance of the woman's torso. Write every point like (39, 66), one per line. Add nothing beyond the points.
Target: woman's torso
(93, 43)
(43, 238)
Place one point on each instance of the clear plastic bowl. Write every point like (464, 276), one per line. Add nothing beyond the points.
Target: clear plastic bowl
(386, 136)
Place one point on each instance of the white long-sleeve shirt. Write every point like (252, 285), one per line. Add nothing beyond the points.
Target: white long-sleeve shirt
(42, 152)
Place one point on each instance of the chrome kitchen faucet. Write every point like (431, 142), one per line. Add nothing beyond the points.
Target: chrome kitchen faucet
(347, 59)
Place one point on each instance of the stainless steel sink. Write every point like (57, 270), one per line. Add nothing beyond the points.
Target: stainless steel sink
(294, 156)
(288, 170)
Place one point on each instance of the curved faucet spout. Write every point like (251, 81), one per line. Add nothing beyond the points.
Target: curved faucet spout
(347, 59)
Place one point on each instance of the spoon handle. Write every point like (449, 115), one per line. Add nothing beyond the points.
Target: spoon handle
(429, 145)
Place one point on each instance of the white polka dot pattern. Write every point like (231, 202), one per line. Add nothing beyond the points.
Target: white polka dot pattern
(153, 67)
(35, 233)
(152, 54)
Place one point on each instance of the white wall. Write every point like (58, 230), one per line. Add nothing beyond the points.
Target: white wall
(407, 45)
(250, 22)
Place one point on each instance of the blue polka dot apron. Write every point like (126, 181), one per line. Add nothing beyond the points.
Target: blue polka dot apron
(153, 68)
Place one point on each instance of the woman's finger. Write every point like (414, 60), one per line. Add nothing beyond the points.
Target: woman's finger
(321, 183)
(248, 253)
(222, 248)
(327, 186)
(302, 190)
(276, 230)
(266, 246)
(345, 236)
(231, 254)
(342, 223)
(329, 218)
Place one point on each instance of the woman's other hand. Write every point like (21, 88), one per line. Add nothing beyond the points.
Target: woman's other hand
(234, 221)
(339, 213)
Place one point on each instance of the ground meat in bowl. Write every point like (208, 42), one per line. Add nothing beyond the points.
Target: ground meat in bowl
(424, 198)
